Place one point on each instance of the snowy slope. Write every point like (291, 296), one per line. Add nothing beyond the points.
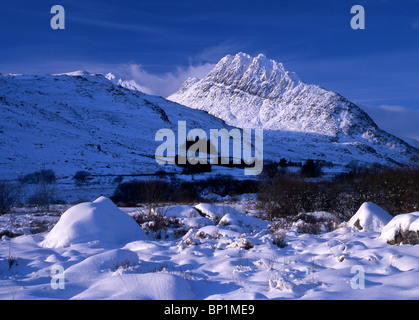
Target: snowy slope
(81, 121)
(255, 92)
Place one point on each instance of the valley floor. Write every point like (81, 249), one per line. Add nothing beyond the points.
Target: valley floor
(223, 252)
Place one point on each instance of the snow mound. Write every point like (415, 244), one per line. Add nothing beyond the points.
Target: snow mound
(178, 211)
(370, 217)
(108, 260)
(215, 212)
(316, 222)
(321, 215)
(100, 221)
(149, 286)
(241, 222)
(403, 228)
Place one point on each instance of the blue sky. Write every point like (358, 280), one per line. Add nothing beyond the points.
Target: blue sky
(158, 44)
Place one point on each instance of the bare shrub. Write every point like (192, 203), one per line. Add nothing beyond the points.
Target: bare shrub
(279, 234)
(312, 224)
(41, 176)
(186, 192)
(142, 191)
(246, 244)
(81, 178)
(157, 222)
(278, 196)
(395, 190)
(154, 192)
(10, 194)
(43, 196)
(311, 169)
(405, 237)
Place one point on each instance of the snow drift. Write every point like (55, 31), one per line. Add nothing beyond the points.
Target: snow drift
(215, 212)
(240, 258)
(370, 217)
(403, 228)
(150, 286)
(99, 221)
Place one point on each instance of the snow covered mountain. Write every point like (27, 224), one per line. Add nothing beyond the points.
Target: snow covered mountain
(300, 120)
(82, 121)
(119, 82)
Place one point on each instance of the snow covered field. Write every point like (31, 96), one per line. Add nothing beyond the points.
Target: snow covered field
(207, 251)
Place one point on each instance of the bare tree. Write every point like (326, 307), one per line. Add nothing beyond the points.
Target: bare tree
(154, 193)
(278, 196)
(9, 195)
(44, 195)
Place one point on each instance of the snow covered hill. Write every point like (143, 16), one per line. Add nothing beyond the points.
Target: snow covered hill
(82, 121)
(300, 120)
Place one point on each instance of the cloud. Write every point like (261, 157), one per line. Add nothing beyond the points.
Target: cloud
(395, 119)
(165, 84)
(216, 52)
(114, 25)
(160, 84)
